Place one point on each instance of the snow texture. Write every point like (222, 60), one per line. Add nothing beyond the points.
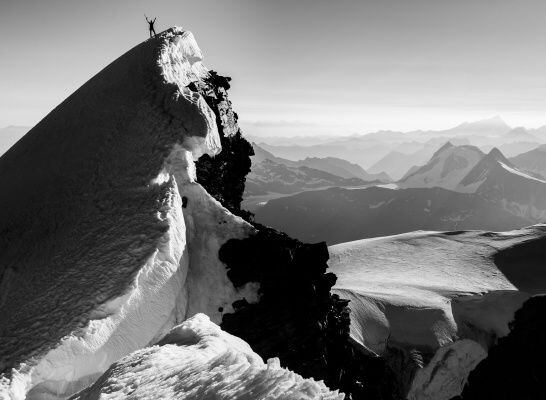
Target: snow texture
(197, 360)
(445, 375)
(108, 242)
(428, 291)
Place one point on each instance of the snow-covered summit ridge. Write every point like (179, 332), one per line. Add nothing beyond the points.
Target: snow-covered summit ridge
(197, 360)
(107, 239)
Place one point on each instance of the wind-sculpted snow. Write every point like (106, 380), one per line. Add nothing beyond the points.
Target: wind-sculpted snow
(107, 241)
(197, 360)
(424, 291)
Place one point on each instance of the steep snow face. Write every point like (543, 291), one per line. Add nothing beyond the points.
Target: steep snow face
(445, 376)
(429, 290)
(447, 167)
(108, 241)
(198, 360)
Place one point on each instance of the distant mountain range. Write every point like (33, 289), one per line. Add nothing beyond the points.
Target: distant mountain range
(447, 167)
(396, 152)
(271, 174)
(496, 179)
(340, 215)
(397, 163)
(492, 176)
(272, 177)
(533, 161)
(459, 188)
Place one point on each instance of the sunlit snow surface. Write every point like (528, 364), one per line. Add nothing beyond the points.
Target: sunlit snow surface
(197, 360)
(99, 257)
(398, 280)
(428, 290)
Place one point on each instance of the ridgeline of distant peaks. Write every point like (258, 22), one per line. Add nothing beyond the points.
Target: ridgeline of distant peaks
(460, 187)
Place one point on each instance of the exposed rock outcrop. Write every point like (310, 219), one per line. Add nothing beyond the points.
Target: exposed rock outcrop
(515, 367)
(297, 318)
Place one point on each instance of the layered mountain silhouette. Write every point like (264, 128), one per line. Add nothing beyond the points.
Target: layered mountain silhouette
(339, 215)
(445, 169)
(459, 188)
(271, 174)
(533, 161)
(497, 180)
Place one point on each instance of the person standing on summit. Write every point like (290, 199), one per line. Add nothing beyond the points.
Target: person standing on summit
(151, 26)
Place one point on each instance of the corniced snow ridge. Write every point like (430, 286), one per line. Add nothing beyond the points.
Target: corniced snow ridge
(107, 239)
(197, 360)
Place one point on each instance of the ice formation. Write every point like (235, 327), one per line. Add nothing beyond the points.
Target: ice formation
(449, 295)
(107, 239)
(197, 360)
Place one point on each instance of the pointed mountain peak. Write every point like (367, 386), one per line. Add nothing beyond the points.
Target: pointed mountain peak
(495, 121)
(494, 126)
(496, 154)
(447, 145)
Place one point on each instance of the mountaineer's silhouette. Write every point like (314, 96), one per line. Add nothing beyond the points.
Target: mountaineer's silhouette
(151, 26)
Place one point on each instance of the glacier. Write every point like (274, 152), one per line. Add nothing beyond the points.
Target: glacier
(445, 296)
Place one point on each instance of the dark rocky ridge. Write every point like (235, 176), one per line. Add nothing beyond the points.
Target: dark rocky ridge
(297, 318)
(515, 367)
(224, 176)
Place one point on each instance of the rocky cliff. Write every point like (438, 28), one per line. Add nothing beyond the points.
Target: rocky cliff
(297, 318)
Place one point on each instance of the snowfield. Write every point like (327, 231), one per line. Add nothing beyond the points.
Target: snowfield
(447, 294)
(197, 360)
(108, 240)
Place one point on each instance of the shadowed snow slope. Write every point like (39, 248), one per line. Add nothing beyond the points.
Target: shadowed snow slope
(107, 241)
(197, 360)
(427, 290)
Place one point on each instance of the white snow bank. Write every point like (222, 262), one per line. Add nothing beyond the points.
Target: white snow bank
(197, 360)
(99, 256)
(392, 281)
(184, 276)
(430, 291)
(446, 374)
(180, 62)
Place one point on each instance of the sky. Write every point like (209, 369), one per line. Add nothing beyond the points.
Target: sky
(299, 67)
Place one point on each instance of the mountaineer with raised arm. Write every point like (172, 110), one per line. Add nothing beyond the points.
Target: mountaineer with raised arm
(151, 25)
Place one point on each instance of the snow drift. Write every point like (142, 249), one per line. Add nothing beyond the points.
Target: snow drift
(107, 240)
(446, 296)
(197, 360)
